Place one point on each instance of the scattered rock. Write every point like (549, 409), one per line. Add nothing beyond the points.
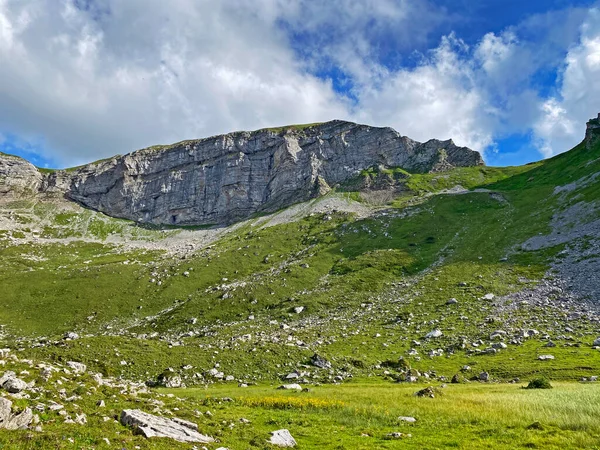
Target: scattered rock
(282, 438)
(434, 334)
(291, 387)
(11, 421)
(77, 367)
(545, 357)
(320, 362)
(427, 392)
(407, 419)
(149, 426)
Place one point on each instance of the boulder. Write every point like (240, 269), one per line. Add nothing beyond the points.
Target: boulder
(320, 362)
(282, 438)
(15, 385)
(149, 426)
(10, 421)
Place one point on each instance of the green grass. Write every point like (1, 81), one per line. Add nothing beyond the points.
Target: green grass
(360, 415)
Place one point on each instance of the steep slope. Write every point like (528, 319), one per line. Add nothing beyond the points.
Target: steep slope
(231, 177)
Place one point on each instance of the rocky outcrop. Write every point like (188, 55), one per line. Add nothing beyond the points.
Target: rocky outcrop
(155, 426)
(231, 177)
(18, 177)
(592, 133)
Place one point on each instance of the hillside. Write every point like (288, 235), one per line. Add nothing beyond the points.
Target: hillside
(399, 277)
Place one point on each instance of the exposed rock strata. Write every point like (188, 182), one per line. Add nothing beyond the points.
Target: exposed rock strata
(226, 178)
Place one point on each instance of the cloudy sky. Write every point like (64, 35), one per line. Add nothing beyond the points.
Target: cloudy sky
(85, 79)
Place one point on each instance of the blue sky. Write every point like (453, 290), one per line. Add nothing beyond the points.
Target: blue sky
(88, 79)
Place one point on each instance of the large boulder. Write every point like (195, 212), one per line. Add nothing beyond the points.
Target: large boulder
(149, 426)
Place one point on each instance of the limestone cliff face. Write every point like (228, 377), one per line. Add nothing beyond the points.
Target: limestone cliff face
(18, 177)
(230, 177)
(592, 134)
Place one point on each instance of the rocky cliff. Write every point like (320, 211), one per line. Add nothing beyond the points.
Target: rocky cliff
(226, 178)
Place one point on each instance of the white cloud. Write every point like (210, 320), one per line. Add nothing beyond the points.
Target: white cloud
(561, 124)
(122, 75)
(438, 98)
(91, 78)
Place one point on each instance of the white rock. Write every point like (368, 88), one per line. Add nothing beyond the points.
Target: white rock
(282, 438)
(77, 367)
(291, 387)
(407, 419)
(149, 425)
(434, 334)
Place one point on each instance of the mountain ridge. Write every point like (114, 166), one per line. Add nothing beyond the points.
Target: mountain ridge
(230, 177)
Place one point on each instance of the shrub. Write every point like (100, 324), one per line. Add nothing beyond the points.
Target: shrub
(539, 383)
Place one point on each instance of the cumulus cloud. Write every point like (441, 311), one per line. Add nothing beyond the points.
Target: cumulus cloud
(95, 78)
(85, 79)
(561, 124)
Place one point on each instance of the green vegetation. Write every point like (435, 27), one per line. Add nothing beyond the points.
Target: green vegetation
(363, 293)
(539, 383)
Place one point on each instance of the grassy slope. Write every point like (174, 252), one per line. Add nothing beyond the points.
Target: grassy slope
(408, 261)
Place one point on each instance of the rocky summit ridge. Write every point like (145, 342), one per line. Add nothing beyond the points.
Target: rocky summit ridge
(222, 179)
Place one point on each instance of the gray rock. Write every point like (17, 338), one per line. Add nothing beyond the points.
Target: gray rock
(291, 387)
(545, 357)
(320, 362)
(282, 438)
(596, 342)
(15, 385)
(10, 421)
(434, 334)
(407, 419)
(149, 425)
(230, 177)
(484, 376)
(77, 367)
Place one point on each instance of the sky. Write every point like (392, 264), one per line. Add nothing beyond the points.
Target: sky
(82, 80)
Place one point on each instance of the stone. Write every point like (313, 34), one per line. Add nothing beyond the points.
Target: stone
(235, 175)
(149, 426)
(545, 357)
(291, 387)
(452, 301)
(434, 334)
(77, 367)
(407, 419)
(71, 335)
(320, 362)
(484, 376)
(596, 342)
(282, 438)
(298, 309)
(15, 385)
(427, 392)
(10, 421)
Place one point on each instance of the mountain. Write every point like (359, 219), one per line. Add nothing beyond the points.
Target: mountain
(411, 302)
(227, 178)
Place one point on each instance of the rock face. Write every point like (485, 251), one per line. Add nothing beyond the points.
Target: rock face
(155, 426)
(17, 176)
(226, 178)
(592, 134)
